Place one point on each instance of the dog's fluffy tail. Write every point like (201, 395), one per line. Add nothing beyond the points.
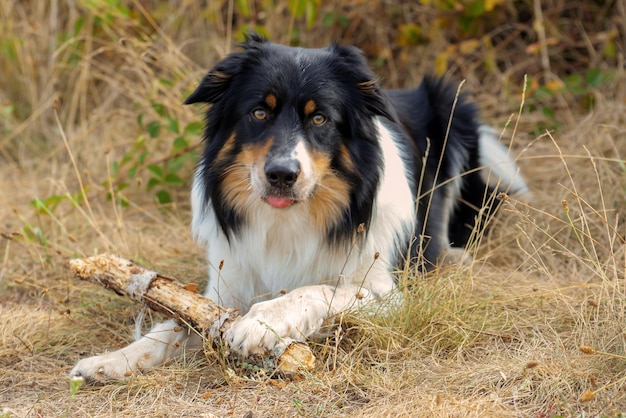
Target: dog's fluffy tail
(498, 170)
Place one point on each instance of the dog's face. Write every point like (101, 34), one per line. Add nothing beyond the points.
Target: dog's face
(288, 127)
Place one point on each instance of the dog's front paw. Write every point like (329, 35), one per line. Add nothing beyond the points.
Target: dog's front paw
(107, 367)
(269, 326)
(257, 333)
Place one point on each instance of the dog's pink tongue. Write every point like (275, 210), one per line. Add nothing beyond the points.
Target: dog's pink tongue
(279, 202)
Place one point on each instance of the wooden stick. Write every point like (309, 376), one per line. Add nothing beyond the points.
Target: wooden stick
(181, 302)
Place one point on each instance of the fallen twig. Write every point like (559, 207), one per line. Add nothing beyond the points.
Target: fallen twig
(182, 302)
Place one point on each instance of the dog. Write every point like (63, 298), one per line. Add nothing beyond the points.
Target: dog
(314, 186)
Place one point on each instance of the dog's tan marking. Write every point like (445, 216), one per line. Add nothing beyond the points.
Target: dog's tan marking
(346, 159)
(226, 149)
(270, 100)
(236, 188)
(255, 153)
(332, 197)
(309, 107)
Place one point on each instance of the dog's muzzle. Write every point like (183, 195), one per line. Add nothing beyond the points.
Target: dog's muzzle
(281, 176)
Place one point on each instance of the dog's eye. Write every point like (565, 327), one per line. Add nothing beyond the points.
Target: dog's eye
(318, 119)
(259, 114)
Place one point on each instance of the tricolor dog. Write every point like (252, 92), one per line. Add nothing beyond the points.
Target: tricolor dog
(315, 185)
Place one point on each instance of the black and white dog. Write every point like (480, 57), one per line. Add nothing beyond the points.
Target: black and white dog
(315, 185)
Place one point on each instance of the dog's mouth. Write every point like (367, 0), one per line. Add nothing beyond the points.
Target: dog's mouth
(281, 198)
(279, 202)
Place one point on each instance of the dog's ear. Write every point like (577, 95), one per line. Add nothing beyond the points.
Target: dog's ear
(216, 82)
(356, 68)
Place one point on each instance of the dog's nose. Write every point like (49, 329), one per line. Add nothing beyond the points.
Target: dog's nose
(282, 173)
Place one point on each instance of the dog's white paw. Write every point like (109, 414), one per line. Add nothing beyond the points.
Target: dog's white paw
(271, 325)
(164, 341)
(107, 367)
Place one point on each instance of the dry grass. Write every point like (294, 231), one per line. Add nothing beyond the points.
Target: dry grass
(501, 338)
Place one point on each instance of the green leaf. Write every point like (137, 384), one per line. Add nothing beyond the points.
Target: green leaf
(172, 125)
(164, 197)
(139, 142)
(331, 18)
(465, 23)
(53, 201)
(121, 200)
(47, 206)
(474, 9)
(543, 93)
(194, 128)
(175, 164)
(132, 172)
(595, 78)
(152, 183)
(39, 206)
(35, 234)
(159, 108)
(173, 180)
(125, 159)
(123, 185)
(78, 25)
(547, 112)
(180, 144)
(153, 129)
(574, 83)
(156, 171)
(297, 8)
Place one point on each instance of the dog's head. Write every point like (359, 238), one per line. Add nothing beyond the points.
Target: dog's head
(291, 127)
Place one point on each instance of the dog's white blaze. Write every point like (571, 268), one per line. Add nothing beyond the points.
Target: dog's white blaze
(306, 178)
(499, 169)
